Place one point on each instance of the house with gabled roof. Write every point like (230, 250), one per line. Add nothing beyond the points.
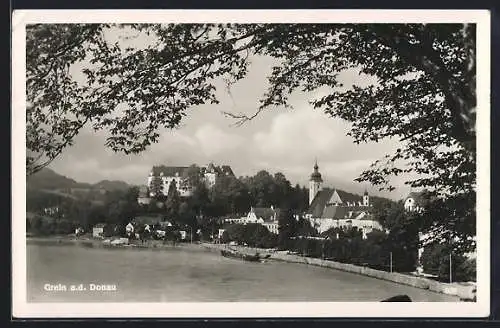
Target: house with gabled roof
(267, 216)
(414, 202)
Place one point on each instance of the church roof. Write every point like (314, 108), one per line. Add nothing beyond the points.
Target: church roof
(334, 212)
(335, 203)
(319, 202)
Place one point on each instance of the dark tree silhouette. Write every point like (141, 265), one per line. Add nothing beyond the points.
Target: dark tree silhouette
(424, 95)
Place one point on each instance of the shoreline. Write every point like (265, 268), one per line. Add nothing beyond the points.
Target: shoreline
(464, 291)
(101, 243)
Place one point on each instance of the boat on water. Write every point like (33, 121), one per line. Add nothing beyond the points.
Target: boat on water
(241, 256)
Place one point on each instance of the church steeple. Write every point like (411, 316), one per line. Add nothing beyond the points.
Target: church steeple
(314, 182)
(316, 176)
(366, 198)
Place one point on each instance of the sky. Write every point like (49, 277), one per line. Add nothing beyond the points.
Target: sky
(277, 140)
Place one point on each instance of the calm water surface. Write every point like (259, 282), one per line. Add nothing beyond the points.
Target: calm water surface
(184, 275)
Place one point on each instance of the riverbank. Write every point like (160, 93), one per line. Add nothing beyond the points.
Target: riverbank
(199, 275)
(465, 291)
(107, 243)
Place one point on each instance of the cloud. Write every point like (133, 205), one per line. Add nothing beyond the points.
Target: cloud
(213, 140)
(299, 134)
(278, 140)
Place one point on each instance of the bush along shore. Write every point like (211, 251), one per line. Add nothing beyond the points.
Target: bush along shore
(465, 291)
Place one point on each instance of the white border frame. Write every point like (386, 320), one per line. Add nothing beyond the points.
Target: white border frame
(21, 308)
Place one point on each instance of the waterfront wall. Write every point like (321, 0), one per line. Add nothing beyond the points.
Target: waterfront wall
(463, 291)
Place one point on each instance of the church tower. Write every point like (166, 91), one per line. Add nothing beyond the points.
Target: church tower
(314, 183)
(366, 199)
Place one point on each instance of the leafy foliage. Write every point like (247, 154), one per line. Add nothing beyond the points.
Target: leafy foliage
(423, 92)
(436, 260)
(173, 202)
(252, 234)
(156, 187)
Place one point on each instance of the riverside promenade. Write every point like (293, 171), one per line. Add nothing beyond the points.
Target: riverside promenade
(465, 291)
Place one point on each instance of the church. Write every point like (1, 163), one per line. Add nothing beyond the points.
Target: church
(333, 208)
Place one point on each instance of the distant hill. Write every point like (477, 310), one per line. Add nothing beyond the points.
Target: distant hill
(112, 185)
(48, 180)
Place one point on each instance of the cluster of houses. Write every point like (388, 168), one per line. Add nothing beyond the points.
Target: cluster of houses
(328, 207)
(145, 225)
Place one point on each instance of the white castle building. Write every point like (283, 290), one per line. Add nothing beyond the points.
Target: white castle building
(176, 175)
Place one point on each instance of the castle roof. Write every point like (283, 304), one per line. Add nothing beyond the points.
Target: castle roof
(220, 170)
(169, 171)
(226, 169)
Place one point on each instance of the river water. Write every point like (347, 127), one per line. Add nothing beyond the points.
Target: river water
(193, 275)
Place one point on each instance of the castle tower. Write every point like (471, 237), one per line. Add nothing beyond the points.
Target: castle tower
(314, 183)
(366, 199)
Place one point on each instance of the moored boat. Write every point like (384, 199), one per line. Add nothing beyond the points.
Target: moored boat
(241, 256)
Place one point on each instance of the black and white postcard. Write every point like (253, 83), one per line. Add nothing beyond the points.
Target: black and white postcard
(251, 163)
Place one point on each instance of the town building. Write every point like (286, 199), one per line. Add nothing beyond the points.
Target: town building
(267, 216)
(98, 230)
(51, 211)
(333, 208)
(414, 202)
